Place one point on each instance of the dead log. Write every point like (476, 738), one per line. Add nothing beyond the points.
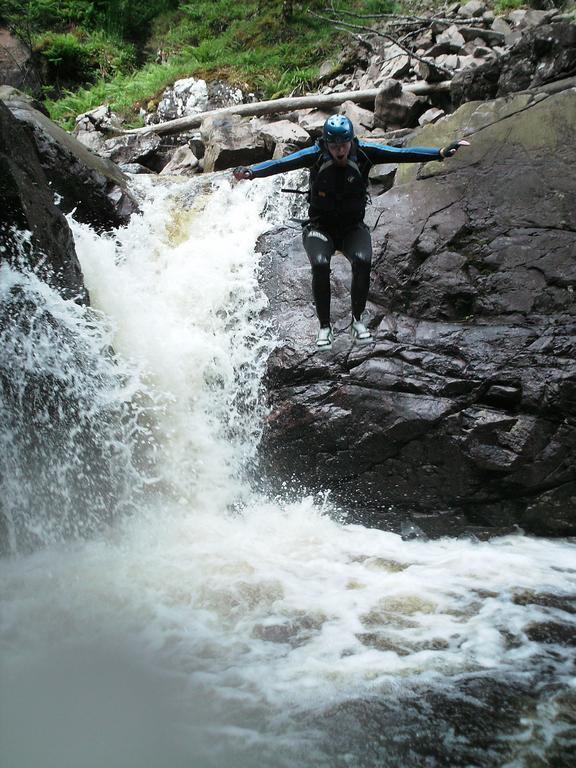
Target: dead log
(317, 101)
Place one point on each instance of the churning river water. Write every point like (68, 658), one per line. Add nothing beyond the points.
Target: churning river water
(156, 612)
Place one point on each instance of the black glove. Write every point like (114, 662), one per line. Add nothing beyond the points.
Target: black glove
(242, 172)
(451, 149)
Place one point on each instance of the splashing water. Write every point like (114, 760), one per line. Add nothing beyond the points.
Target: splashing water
(211, 626)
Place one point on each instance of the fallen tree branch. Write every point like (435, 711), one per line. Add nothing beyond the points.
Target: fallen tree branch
(316, 101)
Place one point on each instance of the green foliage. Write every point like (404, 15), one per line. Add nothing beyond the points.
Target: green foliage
(128, 18)
(35, 15)
(77, 58)
(501, 6)
(66, 56)
(274, 47)
(380, 6)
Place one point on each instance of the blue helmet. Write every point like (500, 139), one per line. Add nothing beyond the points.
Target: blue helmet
(338, 129)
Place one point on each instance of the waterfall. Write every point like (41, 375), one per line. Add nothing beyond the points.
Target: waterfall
(156, 610)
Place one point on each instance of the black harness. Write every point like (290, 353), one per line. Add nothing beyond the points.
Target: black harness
(335, 190)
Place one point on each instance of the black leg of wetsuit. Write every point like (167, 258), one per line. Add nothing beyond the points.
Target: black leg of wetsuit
(320, 248)
(357, 247)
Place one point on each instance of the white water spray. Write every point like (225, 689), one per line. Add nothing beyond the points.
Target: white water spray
(190, 633)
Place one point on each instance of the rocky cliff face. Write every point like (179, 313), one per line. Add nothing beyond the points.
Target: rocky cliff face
(92, 186)
(34, 232)
(462, 413)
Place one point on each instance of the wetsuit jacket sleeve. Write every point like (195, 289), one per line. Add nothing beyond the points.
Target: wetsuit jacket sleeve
(304, 158)
(382, 153)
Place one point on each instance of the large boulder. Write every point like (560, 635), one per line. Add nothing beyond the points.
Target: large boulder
(396, 108)
(92, 186)
(131, 148)
(283, 137)
(34, 233)
(542, 55)
(462, 412)
(191, 96)
(231, 140)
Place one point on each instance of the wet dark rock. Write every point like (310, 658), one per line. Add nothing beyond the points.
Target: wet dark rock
(28, 207)
(552, 633)
(466, 724)
(543, 54)
(548, 600)
(92, 186)
(462, 413)
(476, 83)
(131, 148)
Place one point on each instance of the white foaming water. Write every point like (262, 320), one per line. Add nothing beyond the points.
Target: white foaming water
(190, 633)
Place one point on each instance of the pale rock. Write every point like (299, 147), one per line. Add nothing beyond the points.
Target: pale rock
(285, 133)
(373, 71)
(396, 64)
(535, 18)
(130, 148)
(188, 96)
(366, 83)
(231, 141)
(135, 169)
(525, 19)
(93, 139)
(182, 163)
(313, 120)
(469, 61)
(358, 115)
(98, 119)
(382, 176)
(472, 9)
(510, 35)
(431, 116)
(327, 68)
(452, 38)
(516, 18)
(449, 61)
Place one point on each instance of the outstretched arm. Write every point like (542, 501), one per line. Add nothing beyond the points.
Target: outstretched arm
(304, 158)
(382, 153)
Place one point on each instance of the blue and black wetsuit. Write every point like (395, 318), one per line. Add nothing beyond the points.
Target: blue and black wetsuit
(337, 204)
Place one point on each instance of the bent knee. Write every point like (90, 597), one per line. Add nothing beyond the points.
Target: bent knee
(320, 263)
(361, 260)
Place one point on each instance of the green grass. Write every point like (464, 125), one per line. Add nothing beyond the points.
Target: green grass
(501, 6)
(93, 48)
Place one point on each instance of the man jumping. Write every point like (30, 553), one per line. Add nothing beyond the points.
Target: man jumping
(339, 166)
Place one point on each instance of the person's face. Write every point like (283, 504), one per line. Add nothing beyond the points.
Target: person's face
(340, 152)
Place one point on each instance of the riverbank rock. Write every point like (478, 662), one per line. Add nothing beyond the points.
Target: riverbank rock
(231, 140)
(191, 96)
(33, 231)
(17, 67)
(92, 186)
(541, 55)
(462, 413)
